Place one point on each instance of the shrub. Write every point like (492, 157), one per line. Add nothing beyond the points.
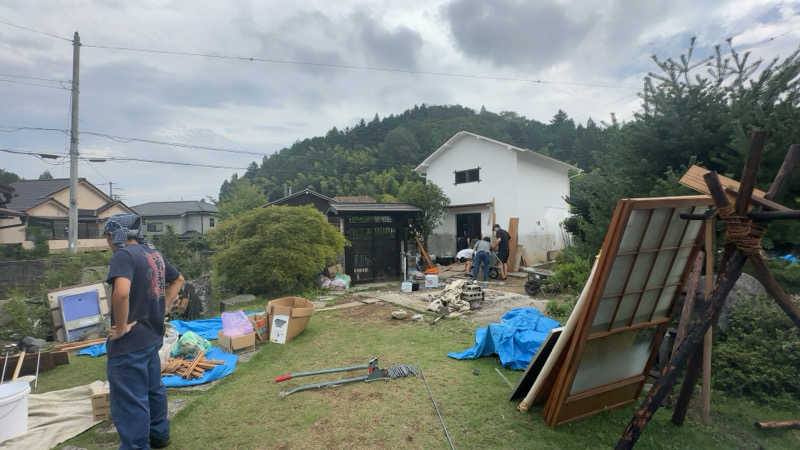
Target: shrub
(274, 250)
(571, 271)
(25, 319)
(560, 310)
(756, 355)
(787, 274)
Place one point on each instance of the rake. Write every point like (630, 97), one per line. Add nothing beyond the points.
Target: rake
(374, 373)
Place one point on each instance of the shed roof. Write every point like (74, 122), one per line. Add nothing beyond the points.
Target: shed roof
(337, 208)
(176, 208)
(297, 194)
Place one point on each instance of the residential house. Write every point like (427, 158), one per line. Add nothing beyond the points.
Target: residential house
(377, 232)
(41, 206)
(490, 180)
(187, 218)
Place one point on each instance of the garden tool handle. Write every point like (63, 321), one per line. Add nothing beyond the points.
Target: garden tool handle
(288, 376)
(20, 357)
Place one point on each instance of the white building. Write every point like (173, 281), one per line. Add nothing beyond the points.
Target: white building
(187, 218)
(482, 176)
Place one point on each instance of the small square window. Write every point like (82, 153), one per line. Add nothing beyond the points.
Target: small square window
(468, 176)
(211, 222)
(155, 227)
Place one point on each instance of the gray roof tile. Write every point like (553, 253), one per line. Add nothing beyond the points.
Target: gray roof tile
(176, 208)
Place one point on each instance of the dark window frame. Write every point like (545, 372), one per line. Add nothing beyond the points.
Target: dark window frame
(468, 176)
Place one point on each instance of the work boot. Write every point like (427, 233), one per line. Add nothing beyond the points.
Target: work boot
(156, 442)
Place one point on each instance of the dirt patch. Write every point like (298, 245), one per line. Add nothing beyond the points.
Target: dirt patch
(376, 312)
(345, 299)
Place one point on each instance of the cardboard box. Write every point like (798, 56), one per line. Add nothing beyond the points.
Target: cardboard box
(260, 326)
(238, 344)
(101, 403)
(288, 317)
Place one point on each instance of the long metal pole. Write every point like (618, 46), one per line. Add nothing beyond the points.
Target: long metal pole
(436, 407)
(73, 146)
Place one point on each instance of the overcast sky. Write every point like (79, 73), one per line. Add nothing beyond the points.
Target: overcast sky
(590, 55)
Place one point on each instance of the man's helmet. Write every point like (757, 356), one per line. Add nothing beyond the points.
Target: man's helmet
(122, 227)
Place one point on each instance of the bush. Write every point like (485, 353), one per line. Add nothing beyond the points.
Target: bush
(26, 319)
(571, 271)
(275, 250)
(560, 310)
(757, 355)
(787, 274)
(189, 257)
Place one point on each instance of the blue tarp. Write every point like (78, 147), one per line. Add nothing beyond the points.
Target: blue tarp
(207, 328)
(789, 257)
(515, 339)
(176, 380)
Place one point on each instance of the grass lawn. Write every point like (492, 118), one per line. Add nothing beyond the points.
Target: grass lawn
(244, 410)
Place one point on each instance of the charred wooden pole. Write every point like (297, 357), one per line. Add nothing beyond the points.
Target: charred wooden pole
(743, 241)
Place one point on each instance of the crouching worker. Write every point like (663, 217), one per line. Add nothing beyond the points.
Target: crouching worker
(144, 286)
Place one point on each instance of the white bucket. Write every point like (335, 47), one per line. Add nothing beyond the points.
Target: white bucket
(13, 409)
(406, 286)
(431, 281)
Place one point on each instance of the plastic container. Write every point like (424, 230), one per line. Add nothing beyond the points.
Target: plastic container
(431, 281)
(170, 339)
(406, 286)
(13, 409)
(236, 324)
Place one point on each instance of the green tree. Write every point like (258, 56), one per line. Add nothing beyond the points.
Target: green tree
(430, 199)
(46, 175)
(274, 251)
(242, 196)
(8, 177)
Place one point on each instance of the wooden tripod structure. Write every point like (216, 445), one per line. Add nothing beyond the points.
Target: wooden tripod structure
(744, 231)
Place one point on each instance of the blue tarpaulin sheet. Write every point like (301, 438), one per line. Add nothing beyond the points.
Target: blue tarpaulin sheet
(207, 328)
(515, 339)
(176, 380)
(789, 257)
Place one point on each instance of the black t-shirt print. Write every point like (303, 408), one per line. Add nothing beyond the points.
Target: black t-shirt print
(150, 274)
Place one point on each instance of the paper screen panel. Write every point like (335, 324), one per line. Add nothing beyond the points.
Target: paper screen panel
(680, 264)
(613, 358)
(662, 265)
(694, 227)
(664, 302)
(619, 272)
(676, 227)
(625, 310)
(602, 318)
(633, 230)
(655, 228)
(641, 267)
(646, 305)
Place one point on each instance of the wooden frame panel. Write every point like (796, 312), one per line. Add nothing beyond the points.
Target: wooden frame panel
(563, 406)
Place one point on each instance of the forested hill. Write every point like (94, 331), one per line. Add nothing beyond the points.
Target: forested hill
(377, 157)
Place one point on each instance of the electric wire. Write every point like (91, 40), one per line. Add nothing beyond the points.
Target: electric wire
(349, 66)
(101, 158)
(33, 30)
(27, 77)
(27, 83)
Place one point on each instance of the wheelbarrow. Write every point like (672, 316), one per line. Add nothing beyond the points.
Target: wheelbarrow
(537, 279)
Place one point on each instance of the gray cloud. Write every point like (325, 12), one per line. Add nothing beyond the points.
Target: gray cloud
(515, 33)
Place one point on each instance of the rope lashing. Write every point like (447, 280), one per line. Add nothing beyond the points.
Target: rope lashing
(742, 231)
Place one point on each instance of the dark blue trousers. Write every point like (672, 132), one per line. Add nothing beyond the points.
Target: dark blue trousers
(138, 398)
(481, 257)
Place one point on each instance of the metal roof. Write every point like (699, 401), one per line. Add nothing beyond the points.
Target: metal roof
(373, 207)
(29, 193)
(177, 208)
(305, 191)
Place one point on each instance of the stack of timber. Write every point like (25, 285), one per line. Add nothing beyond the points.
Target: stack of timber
(189, 369)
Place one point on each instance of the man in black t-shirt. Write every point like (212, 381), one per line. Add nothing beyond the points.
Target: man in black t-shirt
(502, 246)
(144, 286)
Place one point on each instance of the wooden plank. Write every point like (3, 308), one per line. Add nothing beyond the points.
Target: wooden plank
(779, 425)
(513, 254)
(750, 171)
(535, 366)
(693, 179)
(688, 303)
(790, 162)
(708, 339)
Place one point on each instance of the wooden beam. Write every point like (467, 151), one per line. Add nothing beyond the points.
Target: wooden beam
(750, 171)
(779, 425)
(707, 339)
(790, 163)
(513, 254)
(774, 289)
(688, 303)
(775, 215)
(687, 389)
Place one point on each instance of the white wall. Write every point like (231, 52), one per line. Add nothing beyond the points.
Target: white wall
(189, 222)
(522, 185)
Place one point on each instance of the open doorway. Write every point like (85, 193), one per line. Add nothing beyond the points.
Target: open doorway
(467, 225)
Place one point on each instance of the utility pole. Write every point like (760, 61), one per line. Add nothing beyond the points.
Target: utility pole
(73, 147)
(111, 190)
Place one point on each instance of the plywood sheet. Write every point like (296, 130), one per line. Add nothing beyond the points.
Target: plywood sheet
(693, 179)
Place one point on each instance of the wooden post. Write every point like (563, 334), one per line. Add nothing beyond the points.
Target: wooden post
(707, 339)
(513, 254)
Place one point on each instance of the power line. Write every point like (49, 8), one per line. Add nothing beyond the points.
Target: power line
(126, 140)
(101, 158)
(26, 83)
(27, 77)
(348, 66)
(33, 30)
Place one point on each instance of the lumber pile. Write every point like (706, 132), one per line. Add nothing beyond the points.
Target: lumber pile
(77, 345)
(189, 368)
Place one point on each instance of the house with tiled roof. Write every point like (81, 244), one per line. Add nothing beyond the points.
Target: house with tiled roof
(41, 206)
(188, 218)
